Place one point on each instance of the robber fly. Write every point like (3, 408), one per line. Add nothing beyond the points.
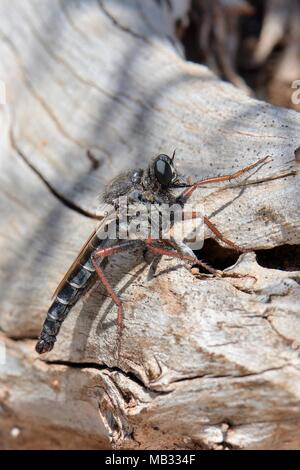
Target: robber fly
(150, 186)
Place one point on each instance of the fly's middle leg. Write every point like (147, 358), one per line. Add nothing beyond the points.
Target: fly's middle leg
(216, 231)
(221, 237)
(182, 251)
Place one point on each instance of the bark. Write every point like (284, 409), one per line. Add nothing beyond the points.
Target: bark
(205, 362)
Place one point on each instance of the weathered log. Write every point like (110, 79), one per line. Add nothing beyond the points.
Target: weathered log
(204, 362)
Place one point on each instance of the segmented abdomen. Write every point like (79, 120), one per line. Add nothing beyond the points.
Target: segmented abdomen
(78, 282)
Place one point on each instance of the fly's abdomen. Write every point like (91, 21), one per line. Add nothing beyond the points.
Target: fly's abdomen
(77, 283)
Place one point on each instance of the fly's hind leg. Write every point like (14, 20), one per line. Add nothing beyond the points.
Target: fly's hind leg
(103, 253)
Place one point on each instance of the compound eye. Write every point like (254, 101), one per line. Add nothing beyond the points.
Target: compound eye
(163, 172)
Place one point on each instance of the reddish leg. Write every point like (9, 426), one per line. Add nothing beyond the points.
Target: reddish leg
(221, 237)
(189, 191)
(177, 254)
(214, 229)
(103, 253)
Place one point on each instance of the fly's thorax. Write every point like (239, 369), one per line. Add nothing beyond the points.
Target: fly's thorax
(139, 216)
(123, 184)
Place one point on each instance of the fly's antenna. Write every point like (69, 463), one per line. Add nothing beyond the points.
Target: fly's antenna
(173, 155)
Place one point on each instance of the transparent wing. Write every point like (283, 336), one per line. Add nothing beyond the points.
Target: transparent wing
(107, 212)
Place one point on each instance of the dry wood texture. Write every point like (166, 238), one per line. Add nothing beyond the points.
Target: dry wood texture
(204, 362)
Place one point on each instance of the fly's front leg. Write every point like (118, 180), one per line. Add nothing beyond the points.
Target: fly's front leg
(184, 196)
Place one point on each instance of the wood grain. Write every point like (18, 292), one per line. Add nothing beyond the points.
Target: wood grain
(205, 362)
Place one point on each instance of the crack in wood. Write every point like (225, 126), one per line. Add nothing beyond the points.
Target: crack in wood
(124, 28)
(101, 367)
(63, 199)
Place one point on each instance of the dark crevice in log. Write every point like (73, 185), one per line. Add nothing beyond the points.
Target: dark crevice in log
(216, 255)
(284, 257)
(100, 367)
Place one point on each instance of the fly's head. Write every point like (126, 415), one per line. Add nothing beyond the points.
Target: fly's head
(161, 175)
(152, 185)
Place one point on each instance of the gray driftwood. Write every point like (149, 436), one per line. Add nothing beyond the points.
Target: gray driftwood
(205, 363)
